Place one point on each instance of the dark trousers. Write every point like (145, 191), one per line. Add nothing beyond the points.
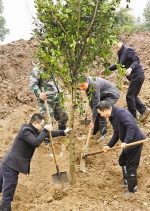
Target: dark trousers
(8, 183)
(131, 158)
(133, 102)
(100, 123)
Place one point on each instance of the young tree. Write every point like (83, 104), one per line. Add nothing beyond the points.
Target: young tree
(3, 30)
(127, 22)
(71, 36)
(146, 15)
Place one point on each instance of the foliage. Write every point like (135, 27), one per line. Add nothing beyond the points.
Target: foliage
(121, 72)
(3, 30)
(71, 36)
(127, 22)
(146, 15)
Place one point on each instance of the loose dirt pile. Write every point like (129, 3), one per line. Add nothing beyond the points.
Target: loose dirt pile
(99, 188)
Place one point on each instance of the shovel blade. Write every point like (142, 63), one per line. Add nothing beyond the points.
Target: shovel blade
(60, 178)
(82, 164)
(85, 122)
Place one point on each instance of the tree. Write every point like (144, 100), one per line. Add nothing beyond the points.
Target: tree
(126, 21)
(3, 30)
(146, 15)
(71, 37)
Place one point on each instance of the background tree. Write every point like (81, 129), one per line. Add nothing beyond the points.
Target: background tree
(127, 22)
(71, 37)
(146, 15)
(3, 30)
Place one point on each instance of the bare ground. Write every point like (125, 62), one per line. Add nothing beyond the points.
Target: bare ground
(99, 188)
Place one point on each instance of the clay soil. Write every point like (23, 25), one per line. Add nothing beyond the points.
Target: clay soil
(97, 189)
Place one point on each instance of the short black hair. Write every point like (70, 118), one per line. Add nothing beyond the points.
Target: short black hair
(103, 105)
(37, 117)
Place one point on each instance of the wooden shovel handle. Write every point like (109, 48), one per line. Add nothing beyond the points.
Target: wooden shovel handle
(88, 138)
(48, 121)
(113, 148)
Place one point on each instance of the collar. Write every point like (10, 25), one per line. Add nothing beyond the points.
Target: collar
(121, 49)
(35, 129)
(112, 112)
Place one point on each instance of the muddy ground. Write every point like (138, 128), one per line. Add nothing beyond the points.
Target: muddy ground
(99, 188)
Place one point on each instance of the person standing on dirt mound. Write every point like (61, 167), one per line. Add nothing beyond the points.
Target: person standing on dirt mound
(135, 74)
(19, 156)
(98, 89)
(51, 95)
(126, 129)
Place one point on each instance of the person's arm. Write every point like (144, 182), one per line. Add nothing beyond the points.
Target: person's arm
(56, 133)
(34, 82)
(131, 54)
(111, 143)
(95, 101)
(30, 138)
(129, 124)
(113, 67)
(113, 140)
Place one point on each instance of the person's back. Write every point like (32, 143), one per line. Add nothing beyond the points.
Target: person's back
(98, 89)
(50, 94)
(134, 72)
(49, 84)
(105, 87)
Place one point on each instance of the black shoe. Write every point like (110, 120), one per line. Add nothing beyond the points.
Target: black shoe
(5, 207)
(125, 184)
(132, 182)
(128, 192)
(124, 171)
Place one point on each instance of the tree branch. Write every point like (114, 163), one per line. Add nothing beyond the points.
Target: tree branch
(79, 16)
(92, 21)
(59, 23)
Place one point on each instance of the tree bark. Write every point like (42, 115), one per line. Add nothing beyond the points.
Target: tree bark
(72, 172)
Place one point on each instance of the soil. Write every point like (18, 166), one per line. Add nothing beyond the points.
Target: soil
(99, 188)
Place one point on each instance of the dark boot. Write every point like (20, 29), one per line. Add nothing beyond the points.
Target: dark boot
(5, 207)
(102, 134)
(132, 182)
(125, 184)
(47, 141)
(61, 127)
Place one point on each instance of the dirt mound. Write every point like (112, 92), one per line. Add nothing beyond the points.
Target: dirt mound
(99, 188)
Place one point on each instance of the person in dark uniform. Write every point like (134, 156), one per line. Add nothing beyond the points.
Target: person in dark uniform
(126, 129)
(135, 74)
(19, 156)
(98, 89)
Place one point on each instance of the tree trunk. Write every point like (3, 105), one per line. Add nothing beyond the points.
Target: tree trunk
(72, 172)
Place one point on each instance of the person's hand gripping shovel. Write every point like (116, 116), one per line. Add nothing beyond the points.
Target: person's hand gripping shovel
(60, 177)
(110, 149)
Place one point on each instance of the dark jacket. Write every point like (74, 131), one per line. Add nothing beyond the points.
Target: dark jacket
(98, 89)
(125, 128)
(129, 58)
(28, 138)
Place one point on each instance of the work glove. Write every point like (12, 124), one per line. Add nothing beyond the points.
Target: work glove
(67, 130)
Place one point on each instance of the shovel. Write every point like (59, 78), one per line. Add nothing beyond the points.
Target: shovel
(82, 162)
(110, 149)
(85, 121)
(60, 177)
